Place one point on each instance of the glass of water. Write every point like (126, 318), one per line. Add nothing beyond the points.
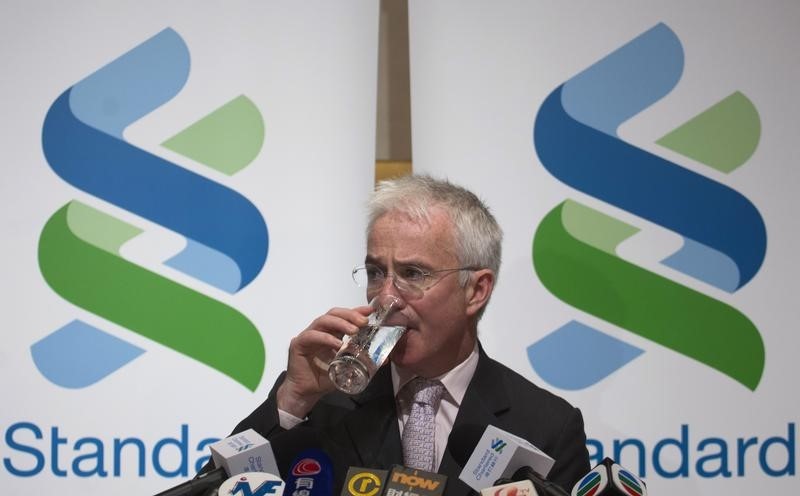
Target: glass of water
(364, 352)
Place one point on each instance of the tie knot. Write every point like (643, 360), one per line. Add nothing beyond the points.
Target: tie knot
(425, 391)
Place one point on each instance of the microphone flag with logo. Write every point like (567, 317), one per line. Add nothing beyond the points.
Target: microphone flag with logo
(246, 451)
(497, 455)
(311, 474)
(251, 484)
(518, 488)
(404, 481)
(364, 482)
(608, 478)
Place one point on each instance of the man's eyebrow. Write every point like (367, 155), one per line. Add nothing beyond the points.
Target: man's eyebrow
(408, 263)
(415, 264)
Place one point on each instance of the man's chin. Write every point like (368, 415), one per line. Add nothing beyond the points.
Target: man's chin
(400, 351)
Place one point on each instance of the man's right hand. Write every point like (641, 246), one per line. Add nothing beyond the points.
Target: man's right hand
(306, 381)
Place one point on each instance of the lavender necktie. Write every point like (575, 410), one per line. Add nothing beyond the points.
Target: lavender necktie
(418, 431)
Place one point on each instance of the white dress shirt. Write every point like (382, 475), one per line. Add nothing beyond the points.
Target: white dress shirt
(455, 384)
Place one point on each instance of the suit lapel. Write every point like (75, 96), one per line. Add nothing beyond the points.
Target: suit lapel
(484, 403)
(372, 426)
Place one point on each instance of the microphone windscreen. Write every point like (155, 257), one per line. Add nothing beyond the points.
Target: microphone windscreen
(361, 481)
(626, 482)
(519, 488)
(252, 483)
(404, 481)
(311, 473)
(288, 445)
(608, 477)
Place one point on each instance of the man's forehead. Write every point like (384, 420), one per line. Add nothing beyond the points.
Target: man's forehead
(396, 225)
(434, 217)
(401, 240)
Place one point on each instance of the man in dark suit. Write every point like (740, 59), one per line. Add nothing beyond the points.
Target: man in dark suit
(436, 247)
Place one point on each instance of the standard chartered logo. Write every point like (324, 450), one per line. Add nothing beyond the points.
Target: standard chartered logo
(575, 248)
(226, 238)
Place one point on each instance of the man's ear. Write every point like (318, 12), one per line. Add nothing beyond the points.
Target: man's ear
(479, 289)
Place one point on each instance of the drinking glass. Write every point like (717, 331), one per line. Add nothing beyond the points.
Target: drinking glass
(364, 352)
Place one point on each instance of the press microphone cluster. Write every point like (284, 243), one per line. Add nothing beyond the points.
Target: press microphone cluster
(495, 463)
(310, 474)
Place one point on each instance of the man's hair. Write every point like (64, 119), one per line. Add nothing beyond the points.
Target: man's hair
(478, 237)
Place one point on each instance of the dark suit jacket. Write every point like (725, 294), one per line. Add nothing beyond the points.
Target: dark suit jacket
(362, 430)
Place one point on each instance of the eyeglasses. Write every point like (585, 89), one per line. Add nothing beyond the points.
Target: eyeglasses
(411, 280)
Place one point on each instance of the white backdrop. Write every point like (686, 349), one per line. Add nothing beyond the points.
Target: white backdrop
(480, 72)
(309, 68)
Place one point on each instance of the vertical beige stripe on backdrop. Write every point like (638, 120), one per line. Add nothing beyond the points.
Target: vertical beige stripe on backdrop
(393, 133)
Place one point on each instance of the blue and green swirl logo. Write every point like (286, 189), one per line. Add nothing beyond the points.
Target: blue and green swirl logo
(226, 238)
(575, 246)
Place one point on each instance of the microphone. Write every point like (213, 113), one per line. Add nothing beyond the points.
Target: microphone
(608, 478)
(499, 457)
(520, 488)
(546, 487)
(311, 474)
(361, 481)
(243, 452)
(246, 451)
(404, 481)
(199, 485)
(251, 484)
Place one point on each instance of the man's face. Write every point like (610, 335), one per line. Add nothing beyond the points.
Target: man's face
(439, 335)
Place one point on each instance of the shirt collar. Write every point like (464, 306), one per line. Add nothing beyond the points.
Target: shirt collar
(455, 380)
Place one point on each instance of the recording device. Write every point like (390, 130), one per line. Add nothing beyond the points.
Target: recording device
(499, 457)
(490, 453)
(608, 478)
(251, 484)
(399, 481)
(311, 474)
(403, 481)
(361, 481)
(199, 485)
(306, 469)
(542, 485)
(520, 488)
(243, 452)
